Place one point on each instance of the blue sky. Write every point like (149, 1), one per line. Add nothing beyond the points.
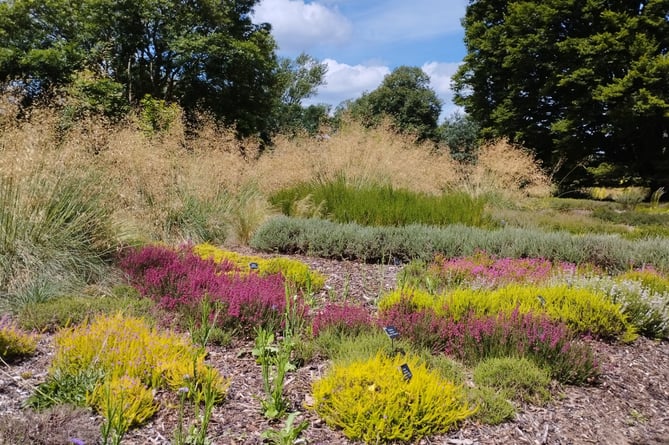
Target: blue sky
(361, 41)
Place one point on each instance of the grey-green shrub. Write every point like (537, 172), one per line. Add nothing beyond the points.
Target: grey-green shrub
(521, 377)
(384, 244)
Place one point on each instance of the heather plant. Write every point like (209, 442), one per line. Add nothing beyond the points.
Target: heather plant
(59, 312)
(14, 342)
(118, 346)
(382, 205)
(181, 280)
(341, 319)
(372, 401)
(645, 308)
(295, 271)
(124, 402)
(585, 311)
(493, 406)
(474, 338)
(520, 378)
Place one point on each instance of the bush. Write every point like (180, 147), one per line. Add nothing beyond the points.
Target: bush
(584, 311)
(124, 402)
(116, 346)
(14, 343)
(341, 319)
(475, 338)
(292, 270)
(382, 205)
(518, 377)
(371, 401)
(182, 280)
(352, 241)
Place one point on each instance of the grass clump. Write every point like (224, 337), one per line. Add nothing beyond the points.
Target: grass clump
(14, 342)
(519, 378)
(55, 233)
(382, 205)
(371, 401)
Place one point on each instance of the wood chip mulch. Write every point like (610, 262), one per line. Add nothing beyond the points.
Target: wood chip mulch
(629, 406)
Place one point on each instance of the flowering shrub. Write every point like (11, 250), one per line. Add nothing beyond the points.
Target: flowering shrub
(343, 318)
(182, 280)
(583, 310)
(293, 271)
(473, 338)
(14, 343)
(487, 271)
(371, 401)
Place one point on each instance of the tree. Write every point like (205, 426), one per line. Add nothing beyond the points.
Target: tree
(299, 79)
(406, 97)
(205, 54)
(578, 81)
(460, 133)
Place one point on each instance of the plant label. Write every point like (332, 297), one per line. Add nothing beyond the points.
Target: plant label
(391, 332)
(406, 372)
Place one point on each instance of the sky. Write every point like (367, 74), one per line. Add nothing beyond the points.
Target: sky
(361, 41)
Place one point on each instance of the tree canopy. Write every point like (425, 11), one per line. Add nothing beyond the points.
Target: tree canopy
(203, 55)
(406, 97)
(580, 82)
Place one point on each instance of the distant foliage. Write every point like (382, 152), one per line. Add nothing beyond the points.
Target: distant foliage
(382, 205)
(370, 400)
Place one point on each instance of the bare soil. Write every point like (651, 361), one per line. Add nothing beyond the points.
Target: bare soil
(629, 406)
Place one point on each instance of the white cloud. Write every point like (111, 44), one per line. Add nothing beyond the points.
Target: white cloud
(440, 80)
(348, 81)
(297, 25)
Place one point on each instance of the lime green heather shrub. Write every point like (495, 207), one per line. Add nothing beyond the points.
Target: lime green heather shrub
(519, 378)
(583, 310)
(371, 401)
(294, 271)
(119, 347)
(124, 402)
(15, 343)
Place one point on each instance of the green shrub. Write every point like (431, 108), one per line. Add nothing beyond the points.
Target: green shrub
(381, 244)
(584, 311)
(59, 312)
(523, 379)
(632, 217)
(294, 271)
(371, 401)
(117, 346)
(196, 218)
(493, 405)
(382, 205)
(14, 343)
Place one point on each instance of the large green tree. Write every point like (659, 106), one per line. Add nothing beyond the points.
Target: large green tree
(202, 54)
(578, 81)
(406, 97)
